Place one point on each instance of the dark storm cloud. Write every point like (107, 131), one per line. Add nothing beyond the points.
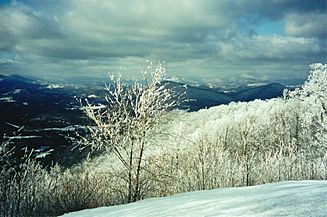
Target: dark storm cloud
(206, 37)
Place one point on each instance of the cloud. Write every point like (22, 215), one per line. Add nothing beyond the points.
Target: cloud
(270, 48)
(307, 25)
(277, 9)
(213, 38)
(20, 24)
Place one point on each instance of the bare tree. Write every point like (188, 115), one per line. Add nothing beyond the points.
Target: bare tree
(129, 121)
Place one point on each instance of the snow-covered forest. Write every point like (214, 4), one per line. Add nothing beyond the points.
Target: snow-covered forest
(140, 147)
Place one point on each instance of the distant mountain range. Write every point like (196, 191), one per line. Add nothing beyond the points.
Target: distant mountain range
(33, 103)
(44, 116)
(50, 113)
(206, 97)
(30, 103)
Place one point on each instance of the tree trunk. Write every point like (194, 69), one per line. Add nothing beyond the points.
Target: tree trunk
(138, 172)
(130, 183)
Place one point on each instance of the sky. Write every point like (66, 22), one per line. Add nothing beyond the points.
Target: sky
(198, 39)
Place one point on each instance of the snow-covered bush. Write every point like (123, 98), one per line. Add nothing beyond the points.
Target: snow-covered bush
(28, 189)
(21, 182)
(70, 190)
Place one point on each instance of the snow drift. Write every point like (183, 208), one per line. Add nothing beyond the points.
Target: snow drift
(292, 198)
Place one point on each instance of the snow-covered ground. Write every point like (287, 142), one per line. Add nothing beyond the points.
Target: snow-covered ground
(292, 198)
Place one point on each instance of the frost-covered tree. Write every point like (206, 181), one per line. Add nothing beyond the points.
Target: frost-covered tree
(313, 111)
(7, 161)
(128, 123)
(21, 179)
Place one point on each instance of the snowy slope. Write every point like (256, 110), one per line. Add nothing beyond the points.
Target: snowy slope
(293, 198)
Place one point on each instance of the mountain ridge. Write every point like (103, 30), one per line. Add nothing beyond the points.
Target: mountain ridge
(37, 105)
(206, 97)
